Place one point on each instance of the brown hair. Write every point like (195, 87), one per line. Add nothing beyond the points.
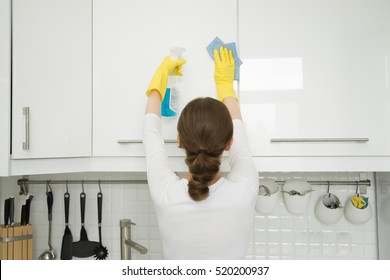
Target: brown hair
(205, 129)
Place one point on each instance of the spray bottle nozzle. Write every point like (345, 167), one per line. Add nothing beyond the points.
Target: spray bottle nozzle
(177, 52)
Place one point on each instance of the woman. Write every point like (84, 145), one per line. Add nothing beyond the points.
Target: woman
(203, 216)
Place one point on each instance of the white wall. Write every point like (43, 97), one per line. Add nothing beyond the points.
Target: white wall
(279, 235)
(383, 196)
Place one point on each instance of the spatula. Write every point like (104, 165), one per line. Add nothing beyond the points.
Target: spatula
(67, 239)
(83, 248)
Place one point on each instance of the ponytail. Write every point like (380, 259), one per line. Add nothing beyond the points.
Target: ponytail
(203, 168)
(205, 128)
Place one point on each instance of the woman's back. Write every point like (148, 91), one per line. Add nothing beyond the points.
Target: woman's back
(217, 227)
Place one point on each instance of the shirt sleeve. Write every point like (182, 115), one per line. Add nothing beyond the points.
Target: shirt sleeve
(242, 167)
(159, 174)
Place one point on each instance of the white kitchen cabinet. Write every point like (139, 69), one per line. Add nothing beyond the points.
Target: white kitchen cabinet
(130, 39)
(5, 86)
(315, 73)
(52, 77)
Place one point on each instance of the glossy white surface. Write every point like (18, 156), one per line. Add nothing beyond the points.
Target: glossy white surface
(52, 76)
(383, 205)
(130, 40)
(311, 69)
(5, 85)
(316, 69)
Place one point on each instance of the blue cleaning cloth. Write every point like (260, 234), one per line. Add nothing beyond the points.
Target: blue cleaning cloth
(216, 44)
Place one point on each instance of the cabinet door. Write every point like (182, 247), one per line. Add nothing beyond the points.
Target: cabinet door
(5, 86)
(51, 67)
(131, 37)
(316, 73)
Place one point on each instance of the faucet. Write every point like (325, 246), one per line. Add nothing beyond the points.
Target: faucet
(127, 243)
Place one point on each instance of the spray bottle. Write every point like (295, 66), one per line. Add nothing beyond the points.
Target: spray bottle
(169, 105)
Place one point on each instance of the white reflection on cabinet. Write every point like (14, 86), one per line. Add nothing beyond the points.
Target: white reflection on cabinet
(263, 121)
(261, 74)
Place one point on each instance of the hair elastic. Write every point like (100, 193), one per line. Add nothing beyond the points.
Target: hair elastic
(201, 151)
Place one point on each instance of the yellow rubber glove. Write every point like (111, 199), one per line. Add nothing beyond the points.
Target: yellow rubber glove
(159, 81)
(224, 73)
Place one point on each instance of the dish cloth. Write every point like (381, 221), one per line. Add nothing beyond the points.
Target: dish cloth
(216, 44)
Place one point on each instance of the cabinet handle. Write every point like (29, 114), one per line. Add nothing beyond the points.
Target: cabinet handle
(26, 113)
(167, 141)
(323, 140)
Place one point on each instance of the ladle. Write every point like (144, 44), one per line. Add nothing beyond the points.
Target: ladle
(49, 254)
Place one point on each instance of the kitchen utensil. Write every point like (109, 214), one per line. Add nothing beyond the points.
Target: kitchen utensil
(23, 216)
(49, 254)
(297, 196)
(267, 196)
(101, 252)
(67, 239)
(359, 201)
(294, 192)
(28, 208)
(83, 248)
(6, 212)
(11, 210)
(264, 191)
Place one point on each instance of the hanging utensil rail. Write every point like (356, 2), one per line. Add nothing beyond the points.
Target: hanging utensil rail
(366, 183)
(24, 183)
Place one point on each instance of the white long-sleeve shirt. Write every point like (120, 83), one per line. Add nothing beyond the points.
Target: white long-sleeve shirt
(218, 227)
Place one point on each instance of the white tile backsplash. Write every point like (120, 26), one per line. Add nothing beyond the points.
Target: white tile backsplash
(279, 235)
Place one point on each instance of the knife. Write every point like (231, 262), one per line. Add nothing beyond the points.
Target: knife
(6, 212)
(23, 216)
(11, 209)
(28, 207)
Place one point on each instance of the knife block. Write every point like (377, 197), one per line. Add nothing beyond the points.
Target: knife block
(16, 242)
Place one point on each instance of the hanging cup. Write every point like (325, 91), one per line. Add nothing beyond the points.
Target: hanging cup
(297, 196)
(357, 208)
(328, 209)
(267, 196)
(355, 212)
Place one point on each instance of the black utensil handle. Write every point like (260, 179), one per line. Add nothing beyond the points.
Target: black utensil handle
(66, 202)
(28, 207)
(23, 216)
(100, 206)
(11, 210)
(50, 200)
(82, 206)
(6, 212)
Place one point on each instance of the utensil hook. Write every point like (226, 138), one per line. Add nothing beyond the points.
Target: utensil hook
(82, 185)
(328, 188)
(66, 183)
(100, 187)
(48, 187)
(357, 188)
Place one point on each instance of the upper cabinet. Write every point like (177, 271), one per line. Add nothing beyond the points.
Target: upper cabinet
(130, 39)
(5, 86)
(51, 78)
(315, 77)
(314, 85)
